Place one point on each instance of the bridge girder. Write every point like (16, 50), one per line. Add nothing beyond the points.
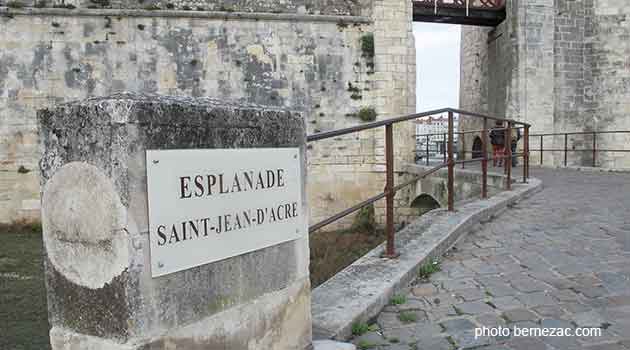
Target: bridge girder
(469, 12)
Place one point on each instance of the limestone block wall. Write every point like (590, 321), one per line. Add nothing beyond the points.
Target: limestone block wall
(319, 7)
(473, 89)
(607, 76)
(301, 54)
(559, 65)
(348, 169)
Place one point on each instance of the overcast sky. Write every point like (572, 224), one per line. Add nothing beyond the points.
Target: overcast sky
(437, 58)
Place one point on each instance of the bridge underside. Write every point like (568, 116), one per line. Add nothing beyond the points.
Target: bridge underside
(426, 12)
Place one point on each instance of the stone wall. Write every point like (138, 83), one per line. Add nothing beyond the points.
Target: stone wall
(319, 7)
(561, 66)
(305, 55)
(348, 169)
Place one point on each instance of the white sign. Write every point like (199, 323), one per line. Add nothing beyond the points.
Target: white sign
(206, 205)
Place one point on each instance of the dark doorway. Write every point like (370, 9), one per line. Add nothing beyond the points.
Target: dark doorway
(477, 151)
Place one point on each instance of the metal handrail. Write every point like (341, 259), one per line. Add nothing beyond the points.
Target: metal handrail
(566, 149)
(390, 189)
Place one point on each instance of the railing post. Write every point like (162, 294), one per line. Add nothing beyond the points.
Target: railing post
(389, 190)
(508, 158)
(526, 154)
(594, 149)
(541, 150)
(484, 162)
(462, 148)
(451, 164)
(566, 145)
(427, 149)
(444, 149)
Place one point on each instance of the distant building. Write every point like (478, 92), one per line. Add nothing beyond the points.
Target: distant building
(436, 128)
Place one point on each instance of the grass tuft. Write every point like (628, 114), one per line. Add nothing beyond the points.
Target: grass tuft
(408, 317)
(425, 271)
(398, 300)
(360, 328)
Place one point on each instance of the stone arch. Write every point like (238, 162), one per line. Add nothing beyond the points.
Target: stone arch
(424, 203)
(477, 148)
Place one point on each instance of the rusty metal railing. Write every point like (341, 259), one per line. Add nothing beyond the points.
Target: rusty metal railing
(450, 162)
(566, 150)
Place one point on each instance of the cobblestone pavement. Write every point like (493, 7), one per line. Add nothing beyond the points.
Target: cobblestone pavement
(560, 259)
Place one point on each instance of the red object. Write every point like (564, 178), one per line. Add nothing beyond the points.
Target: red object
(497, 152)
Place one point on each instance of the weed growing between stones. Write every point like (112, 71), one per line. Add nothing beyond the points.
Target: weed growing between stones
(425, 271)
(407, 317)
(364, 344)
(365, 219)
(398, 300)
(360, 328)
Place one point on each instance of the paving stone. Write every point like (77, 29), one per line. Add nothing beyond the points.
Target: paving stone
(424, 290)
(557, 282)
(372, 338)
(470, 294)
(413, 333)
(413, 304)
(591, 291)
(433, 343)
(605, 346)
(527, 284)
(458, 284)
(499, 289)
(551, 311)
(592, 318)
(555, 323)
(389, 320)
(614, 282)
(332, 345)
(553, 256)
(518, 315)
(443, 299)
(416, 316)
(473, 308)
(467, 340)
(457, 324)
(527, 343)
(564, 295)
(506, 303)
(574, 307)
(395, 346)
(440, 313)
(490, 320)
(564, 343)
(536, 299)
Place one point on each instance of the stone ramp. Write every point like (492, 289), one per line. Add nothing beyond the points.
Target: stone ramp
(558, 259)
(359, 292)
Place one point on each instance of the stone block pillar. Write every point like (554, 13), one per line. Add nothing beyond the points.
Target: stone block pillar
(101, 294)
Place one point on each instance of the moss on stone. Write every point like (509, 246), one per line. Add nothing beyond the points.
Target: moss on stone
(367, 114)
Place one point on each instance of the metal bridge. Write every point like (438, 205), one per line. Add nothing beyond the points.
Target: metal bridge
(470, 12)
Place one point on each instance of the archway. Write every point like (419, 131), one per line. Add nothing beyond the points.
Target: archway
(477, 148)
(424, 203)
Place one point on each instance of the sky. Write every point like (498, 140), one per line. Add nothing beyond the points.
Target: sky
(437, 65)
